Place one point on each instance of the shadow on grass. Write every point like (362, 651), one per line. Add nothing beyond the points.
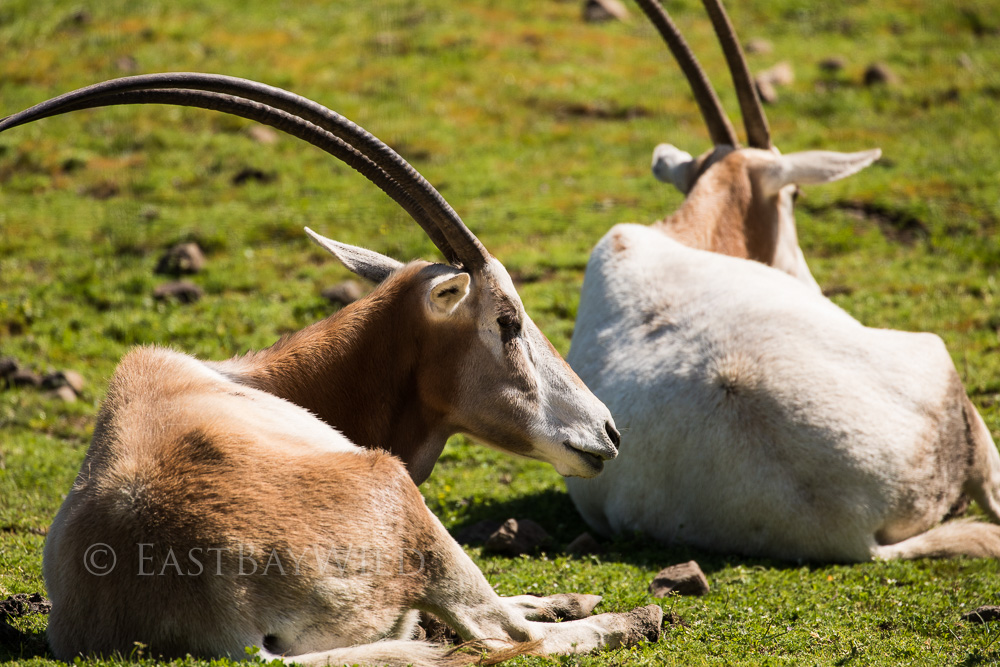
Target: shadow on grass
(16, 645)
(553, 510)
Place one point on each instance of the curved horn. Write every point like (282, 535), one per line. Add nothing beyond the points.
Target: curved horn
(758, 132)
(462, 245)
(719, 128)
(266, 115)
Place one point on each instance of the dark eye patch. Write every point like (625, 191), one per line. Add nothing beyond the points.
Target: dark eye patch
(510, 326)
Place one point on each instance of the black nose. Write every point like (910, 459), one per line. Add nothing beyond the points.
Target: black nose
(616, 437)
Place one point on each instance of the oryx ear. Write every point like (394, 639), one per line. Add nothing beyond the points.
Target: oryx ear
(672, 165)
(814, 167)
(366, 263)
(446, 293)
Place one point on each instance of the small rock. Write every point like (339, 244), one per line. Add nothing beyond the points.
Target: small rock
(66, 378)
(879, 74)
(767, 82)
(343, 293)
(833, 64)
(262, 134)
(478, 532)
(985, 614)
(682, 579)
(584, 544)
(247, 174)
(761, 46)
(766, 91)
(22, 377)
(781, 74)
(180, 259)
(149, 213)
(595, 11)
(64, 393)
(127, 64)
(79, 18)
(181, 291)
(515, 537)
(8, 366)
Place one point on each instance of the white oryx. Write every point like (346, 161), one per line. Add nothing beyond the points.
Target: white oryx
(739, 201)
(218, 509)
(760, 418)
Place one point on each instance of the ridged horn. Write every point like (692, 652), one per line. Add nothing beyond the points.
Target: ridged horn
(754, 120)
(720, 129)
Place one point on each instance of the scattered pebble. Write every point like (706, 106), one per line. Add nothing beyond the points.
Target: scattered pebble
(181, 292)
(766, 91)
(127, 64)
(879, 74)
(681, 579)
(516, 537)
(262, 134)
(595, 11)
(247, 174)
(183, 258)
(833, 64)
(761, 46)
(780, 74)
(63, 393)
(8, 366)
(767, 82)
(22, 377)
(478, 532)
(65, 378)
(584, 544)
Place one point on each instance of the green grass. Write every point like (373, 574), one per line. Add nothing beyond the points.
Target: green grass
(494, 102)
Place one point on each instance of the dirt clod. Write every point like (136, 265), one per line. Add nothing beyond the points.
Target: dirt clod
(758, 45)
(879, 74)
(22, 604)
(584, 544)
(681, 579)
(22, 377)
(247, 174)
(262, 134)
(595, 11)
(478, 532)
(516, 537)
(832, 64)
(65, 378)
(183, 258)
(181, 292)
(64, 394)
(8, 366)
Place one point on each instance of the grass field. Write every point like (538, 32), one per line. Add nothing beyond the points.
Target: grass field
(538, 128)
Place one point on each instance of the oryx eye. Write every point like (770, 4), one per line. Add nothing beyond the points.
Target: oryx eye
(510, 326)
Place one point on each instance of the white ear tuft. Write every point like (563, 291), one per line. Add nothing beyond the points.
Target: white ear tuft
(447, 293)
(814, 167)
(672, 165)
(365, 263)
